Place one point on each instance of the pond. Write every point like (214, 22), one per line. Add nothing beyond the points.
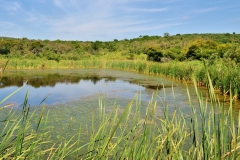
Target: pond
(58, 87)
(72, 97)
(62, 86)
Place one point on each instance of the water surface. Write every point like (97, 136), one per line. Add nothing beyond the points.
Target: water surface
(70, 85)
(63, 86)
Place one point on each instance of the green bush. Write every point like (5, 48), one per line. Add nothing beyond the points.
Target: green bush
(173, 53)
(201, 49)
(153, 54)
(233, 53)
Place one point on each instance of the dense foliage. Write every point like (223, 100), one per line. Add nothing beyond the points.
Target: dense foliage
(178, 47)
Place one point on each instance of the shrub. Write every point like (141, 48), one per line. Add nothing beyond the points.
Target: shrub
(153, 54)
(201, 49)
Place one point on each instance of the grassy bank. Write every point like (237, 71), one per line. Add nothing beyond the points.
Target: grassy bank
(209, 132)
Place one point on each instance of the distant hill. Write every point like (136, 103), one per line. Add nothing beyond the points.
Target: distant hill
(179, 47)
(8, 38)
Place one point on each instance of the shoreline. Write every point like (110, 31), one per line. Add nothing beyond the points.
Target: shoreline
(186, 71)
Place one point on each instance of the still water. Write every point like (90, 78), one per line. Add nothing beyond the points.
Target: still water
(75, 86)
(66, 86)
(74, 93)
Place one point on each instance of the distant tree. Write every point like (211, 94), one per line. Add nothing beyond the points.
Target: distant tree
(36, 47)
(166, 34)
(96, 45)
(146, 36)
(5, 47)
(233, 52)
(227, 34)
(153, 54)
(111, 47)
(46, 40)
(58, 40)
(201, 49)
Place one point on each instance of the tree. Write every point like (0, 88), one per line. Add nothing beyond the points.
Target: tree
(36, 47)
(166, 34)
(201, 49)
(96, 45)
(111, 47)
(233, 52)
(153, 54)
(5, 47)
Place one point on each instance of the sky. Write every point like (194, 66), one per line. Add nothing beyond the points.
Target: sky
(106, 20)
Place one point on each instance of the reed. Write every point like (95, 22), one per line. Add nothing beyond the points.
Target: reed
(209, 132)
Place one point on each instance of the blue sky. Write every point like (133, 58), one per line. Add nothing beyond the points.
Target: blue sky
(106, 20)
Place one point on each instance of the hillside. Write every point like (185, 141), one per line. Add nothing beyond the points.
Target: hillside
(179, 47)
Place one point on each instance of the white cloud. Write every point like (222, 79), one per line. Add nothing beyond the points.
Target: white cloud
(61, 4)
(90, 19)
(97, 18)
(12, 6)
(106, 27)
(205, 10)
(178, 18)
(58, 3)
(7, 24)
(146, 9)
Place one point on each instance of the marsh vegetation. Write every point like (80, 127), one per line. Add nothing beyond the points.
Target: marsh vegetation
(203, 127)
(136, 130)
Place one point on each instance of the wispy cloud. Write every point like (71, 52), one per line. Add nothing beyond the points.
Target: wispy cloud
(178, 18)
(205, 10)
(232, 20)
(98, 19)
(77, 27)
(93, 19)
(41, 1)
(7, 24)
(12, 6)
(146, 9)
(60, 4)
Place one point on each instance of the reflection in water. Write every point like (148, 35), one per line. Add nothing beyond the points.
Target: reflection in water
(51, 80)
(65, 85)
(11, 81)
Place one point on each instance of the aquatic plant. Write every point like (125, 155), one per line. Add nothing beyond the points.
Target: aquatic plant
(209, 132)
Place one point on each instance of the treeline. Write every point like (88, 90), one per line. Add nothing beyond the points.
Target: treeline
(156, 48)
